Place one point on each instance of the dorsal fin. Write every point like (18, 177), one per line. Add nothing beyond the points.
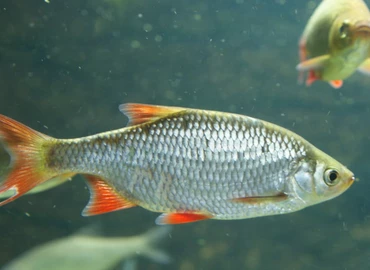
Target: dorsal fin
(141, 113)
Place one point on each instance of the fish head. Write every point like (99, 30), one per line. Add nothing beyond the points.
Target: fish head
(348, 33)
(331, 180)
(322, 178)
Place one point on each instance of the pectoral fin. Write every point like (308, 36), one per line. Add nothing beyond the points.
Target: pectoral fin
(313, 67)
(313, 63)
(262, 199)
(181, 217)
(365, 67)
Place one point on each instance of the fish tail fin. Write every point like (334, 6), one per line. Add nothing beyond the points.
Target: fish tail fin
(153, 237)
(25, 147)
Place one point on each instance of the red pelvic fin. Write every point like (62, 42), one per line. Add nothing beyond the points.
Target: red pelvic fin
(336, 83)
(180, 218)
(312, 77)
(103, 198)
(25, 147)
(262, 199)
(141, 113)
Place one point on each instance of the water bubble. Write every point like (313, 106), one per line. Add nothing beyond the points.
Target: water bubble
(147, 27)
(84, 12)
(197, 17)
(158, 38)
(135, 44)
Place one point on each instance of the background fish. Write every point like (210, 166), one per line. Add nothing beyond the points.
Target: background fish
(80, 252)
(188, 164)
(336, 42)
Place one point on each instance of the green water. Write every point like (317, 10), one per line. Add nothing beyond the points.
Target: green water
(67, 65)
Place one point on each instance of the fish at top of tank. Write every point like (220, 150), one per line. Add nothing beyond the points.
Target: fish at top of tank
(335, 42)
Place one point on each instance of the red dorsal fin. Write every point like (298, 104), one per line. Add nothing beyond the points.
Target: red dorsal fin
(141, 113)
(262, 199)
(180, 218)
(103, 198)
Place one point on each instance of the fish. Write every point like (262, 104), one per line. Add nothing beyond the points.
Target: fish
(187, 164)
(4, 167)
(335, 42)
(92, 252)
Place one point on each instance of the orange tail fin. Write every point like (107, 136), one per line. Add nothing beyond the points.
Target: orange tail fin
(25, 148)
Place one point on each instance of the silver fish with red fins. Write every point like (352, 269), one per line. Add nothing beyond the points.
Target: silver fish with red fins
(188, 164)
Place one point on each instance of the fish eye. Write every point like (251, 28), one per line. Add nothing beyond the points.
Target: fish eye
(343, 29)
(331, 177)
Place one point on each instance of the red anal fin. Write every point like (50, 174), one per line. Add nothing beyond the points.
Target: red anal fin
(180, 218)
(262, 199)
(25, 147)
(336, 83)
(141, 113)
(103, 198)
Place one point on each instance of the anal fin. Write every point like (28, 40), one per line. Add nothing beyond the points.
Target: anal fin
(181, 218)
(103, 198)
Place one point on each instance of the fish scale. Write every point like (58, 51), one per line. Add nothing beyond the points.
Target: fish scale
(188, 164)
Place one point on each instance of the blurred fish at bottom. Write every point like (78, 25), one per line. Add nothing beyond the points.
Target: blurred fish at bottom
(81, 251)
(4, 170)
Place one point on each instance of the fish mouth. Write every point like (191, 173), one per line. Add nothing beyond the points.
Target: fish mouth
(362, 29)
(351, 180)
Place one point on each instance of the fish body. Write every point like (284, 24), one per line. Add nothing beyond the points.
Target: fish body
(84, 252)
(188, 164)
(336, 41)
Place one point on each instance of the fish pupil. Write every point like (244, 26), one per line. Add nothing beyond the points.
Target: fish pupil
(343, 30)
(333, 176)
